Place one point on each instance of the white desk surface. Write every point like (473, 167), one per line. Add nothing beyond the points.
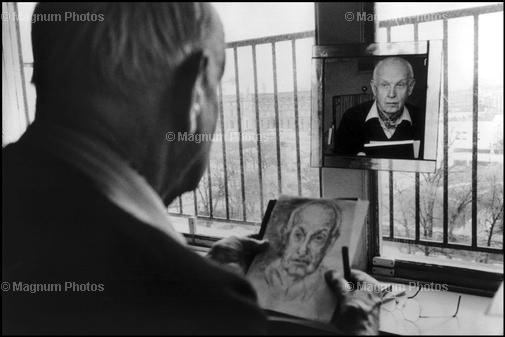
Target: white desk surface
(470, 320)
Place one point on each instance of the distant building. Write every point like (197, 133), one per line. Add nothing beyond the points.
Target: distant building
(266, 112)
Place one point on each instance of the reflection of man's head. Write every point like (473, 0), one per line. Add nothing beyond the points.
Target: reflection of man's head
(312, 229)
(392, 83)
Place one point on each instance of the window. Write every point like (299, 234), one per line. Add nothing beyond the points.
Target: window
(457, 212)
(262, 143)
(254, 157)
(257, 155)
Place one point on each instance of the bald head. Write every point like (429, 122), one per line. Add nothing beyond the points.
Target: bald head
(392, 83)
(393, 64)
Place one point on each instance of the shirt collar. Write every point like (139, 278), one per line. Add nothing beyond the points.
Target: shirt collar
(373, 113)
(113, 176)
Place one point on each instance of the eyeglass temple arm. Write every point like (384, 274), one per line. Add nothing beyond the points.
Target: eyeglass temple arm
(457, 306)
(417, 292)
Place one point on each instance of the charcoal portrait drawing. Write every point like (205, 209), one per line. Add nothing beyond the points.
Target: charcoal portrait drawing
(291, 278)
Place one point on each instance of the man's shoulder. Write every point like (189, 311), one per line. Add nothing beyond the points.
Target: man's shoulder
(414, 112)
(358, 112)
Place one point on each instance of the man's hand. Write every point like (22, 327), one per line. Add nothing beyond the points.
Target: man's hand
(237, 252)
(358, 307)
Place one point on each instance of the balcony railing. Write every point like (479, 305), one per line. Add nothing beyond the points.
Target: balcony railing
(223, 167)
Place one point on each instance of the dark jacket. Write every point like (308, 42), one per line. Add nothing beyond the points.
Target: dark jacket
(354, 131)
(116, 274)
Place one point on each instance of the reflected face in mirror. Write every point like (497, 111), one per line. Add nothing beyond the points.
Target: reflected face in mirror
(311, 233)
(392, 83)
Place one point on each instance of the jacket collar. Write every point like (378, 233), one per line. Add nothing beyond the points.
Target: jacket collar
(373, 113)
(110, 173)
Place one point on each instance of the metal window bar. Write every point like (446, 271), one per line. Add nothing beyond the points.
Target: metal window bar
(276, 109)
(209, 182)
(240, 145)
(417, 183)
(416, 20)
(391, 182)
(445, 96)
(195, 202)
(297, 126)
(475, 125)
(223, 146)
(258, 130)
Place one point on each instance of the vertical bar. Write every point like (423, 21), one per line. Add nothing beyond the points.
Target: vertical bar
(223, 142)
(276, 107)
(239, 121)
(192, 228)
(297, 125)
(195, 202)
(417, 193)
(21, 63)
(391, 207)
(320, 182)
(446, 133)
(180, 206)
(391, 180)
(417, 201)
(374, 226)
(258, 130)
(316, 116)
(209, 181)
(475, 126)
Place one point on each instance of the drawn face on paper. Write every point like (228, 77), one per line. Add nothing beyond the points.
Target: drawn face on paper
(312, 232)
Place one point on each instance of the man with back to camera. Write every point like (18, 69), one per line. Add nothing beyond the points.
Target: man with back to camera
(388, 118)
(86, 187)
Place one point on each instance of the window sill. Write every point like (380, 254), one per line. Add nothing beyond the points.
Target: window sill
(469, 278)
(471, 318)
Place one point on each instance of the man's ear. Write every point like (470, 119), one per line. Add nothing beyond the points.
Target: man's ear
(188, 84)
(412, 83)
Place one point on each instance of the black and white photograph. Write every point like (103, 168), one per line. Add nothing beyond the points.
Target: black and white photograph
(252, 168)
(391, 123)
(380, 104)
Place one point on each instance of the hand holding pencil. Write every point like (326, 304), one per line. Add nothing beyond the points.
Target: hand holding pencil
(359, 297)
